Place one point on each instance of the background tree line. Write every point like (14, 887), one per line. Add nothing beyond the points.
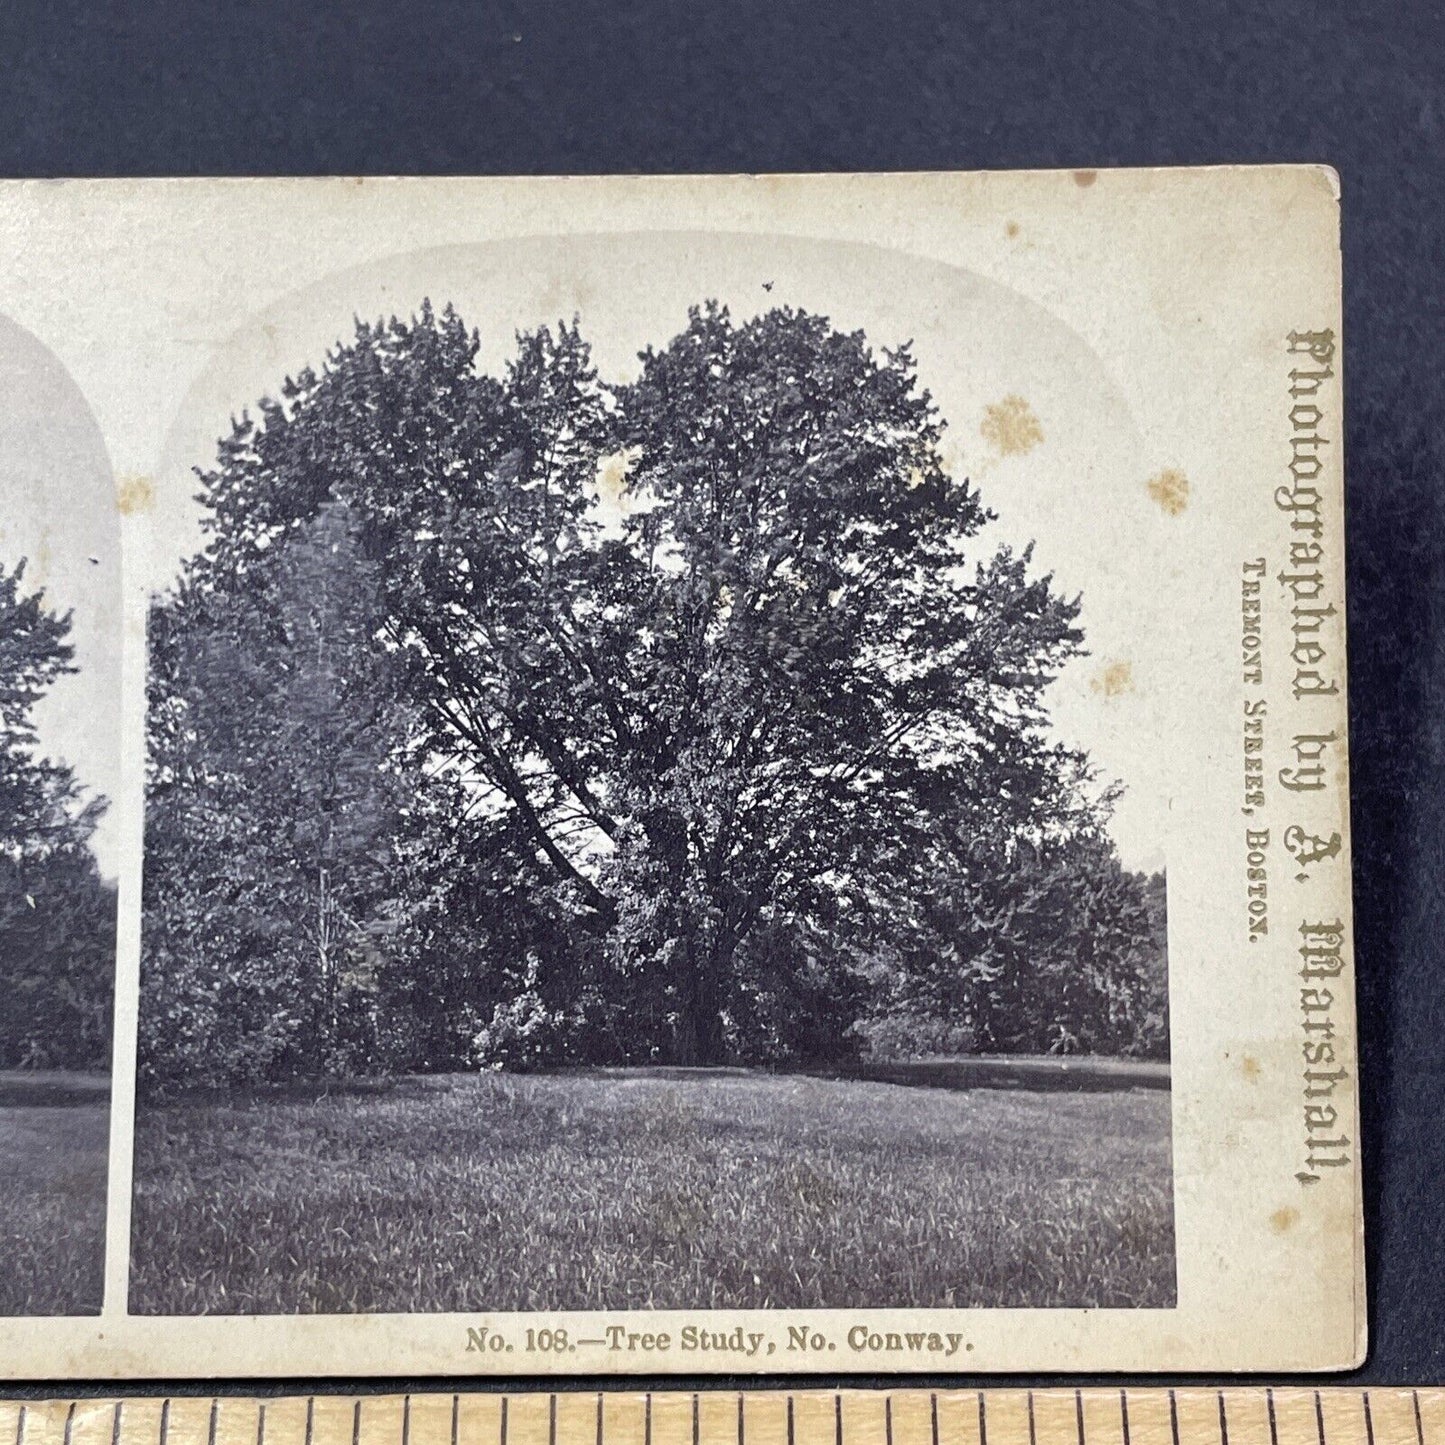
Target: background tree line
(532, 719)
(57, 915)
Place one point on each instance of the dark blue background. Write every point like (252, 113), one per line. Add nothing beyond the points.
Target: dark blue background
(379, 86)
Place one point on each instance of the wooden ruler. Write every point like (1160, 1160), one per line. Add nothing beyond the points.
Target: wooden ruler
(1246, 1415)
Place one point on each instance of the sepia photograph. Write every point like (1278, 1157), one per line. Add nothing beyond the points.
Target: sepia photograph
(675, 775)
(609, 841)
(59, 678)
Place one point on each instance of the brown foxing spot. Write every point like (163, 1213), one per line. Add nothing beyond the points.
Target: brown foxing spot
(1012, 228)
(134, 494)
(1249, 1067)
(1010, 427)
(1085, 178)
(1284, 1219)
(1170, 488)
(612, 473)
(38, 573)
(1114, 679)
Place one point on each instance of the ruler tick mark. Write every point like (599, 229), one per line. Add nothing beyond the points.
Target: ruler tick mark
(906, 1429)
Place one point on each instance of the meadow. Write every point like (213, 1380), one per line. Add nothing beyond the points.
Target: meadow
(54, 1130)
(651, 1189)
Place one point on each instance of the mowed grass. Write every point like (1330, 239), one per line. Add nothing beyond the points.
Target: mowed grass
(53, 1141)
(632, 1189)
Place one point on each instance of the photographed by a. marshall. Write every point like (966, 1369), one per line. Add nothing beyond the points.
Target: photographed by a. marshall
(608, 845)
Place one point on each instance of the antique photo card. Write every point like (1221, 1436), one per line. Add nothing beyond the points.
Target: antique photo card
(706, 774)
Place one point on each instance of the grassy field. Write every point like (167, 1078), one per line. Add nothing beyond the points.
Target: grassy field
(53, 1141)
(1073, 1074)
(634, 1189)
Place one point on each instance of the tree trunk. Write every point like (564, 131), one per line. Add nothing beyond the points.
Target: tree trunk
(700, 1039)
(711, 1043)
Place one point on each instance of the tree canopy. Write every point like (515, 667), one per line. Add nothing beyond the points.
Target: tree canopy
(57, 916)
(533, 717)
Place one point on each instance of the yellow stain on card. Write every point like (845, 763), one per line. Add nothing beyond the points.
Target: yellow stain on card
(134, 495)
(612, 473)
(1010, 427)
(1114, 679)
(1170, 488)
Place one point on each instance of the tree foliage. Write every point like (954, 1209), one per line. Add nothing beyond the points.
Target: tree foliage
(644, 721)
(57, 916)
